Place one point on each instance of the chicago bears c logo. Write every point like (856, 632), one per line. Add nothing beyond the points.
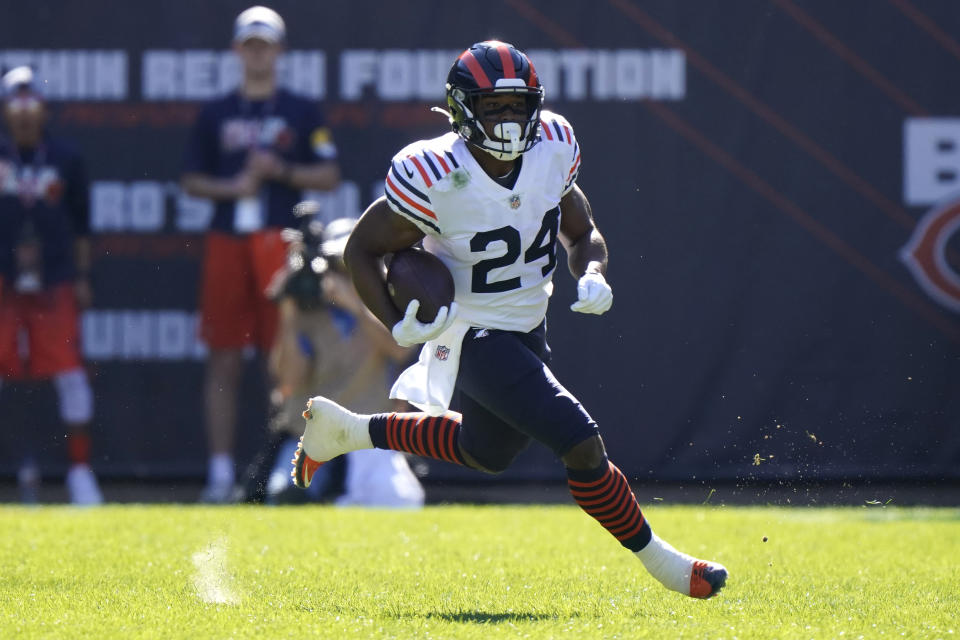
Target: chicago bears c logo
(926, 254)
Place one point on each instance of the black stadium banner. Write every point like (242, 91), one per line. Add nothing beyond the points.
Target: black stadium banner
(778, 182)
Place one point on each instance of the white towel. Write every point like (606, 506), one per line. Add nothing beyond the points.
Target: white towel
(378, 478)
(428, 383)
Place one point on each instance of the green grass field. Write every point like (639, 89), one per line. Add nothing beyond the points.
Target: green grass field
(470, 572)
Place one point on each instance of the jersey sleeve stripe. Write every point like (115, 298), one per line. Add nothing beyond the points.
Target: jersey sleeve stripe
(433, 167)
(546, 130)
(409, 187)
(392, 188)
(576, 165)
(422, 171)
(443, 163)
(406, 212)
(453, 160)
(556, 127)
(569, 135)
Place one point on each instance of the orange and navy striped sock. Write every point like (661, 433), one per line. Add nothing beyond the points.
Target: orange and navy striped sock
(418, 433)
(605, 495)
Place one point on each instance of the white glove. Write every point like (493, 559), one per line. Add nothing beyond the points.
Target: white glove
(411, 331)
(593, 293)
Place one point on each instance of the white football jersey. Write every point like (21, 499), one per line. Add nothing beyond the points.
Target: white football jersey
(500, 244)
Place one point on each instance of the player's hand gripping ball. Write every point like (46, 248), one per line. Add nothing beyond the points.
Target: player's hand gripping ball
(420, 286)
(415, 274)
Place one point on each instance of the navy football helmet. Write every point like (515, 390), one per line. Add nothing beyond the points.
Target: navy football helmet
(494, 68)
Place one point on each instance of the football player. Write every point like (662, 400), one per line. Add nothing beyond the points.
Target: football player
(490, 199)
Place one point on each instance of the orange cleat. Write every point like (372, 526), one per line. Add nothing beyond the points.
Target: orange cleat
(707, 579)
(304, 467)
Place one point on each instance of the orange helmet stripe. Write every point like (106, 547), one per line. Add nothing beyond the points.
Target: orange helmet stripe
(507, 60)
(476, 70)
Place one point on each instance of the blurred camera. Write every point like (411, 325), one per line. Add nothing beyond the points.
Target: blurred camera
(314, 250)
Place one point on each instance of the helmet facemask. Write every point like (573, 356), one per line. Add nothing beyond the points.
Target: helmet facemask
(515, 137)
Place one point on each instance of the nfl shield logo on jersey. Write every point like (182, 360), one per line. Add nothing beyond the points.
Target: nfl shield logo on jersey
(515, 201)
(442, 352)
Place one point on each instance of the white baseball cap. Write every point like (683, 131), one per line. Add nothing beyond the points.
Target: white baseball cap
(16, 79)
(259, 22)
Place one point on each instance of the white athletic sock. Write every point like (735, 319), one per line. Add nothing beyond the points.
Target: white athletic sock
(671, 567)
(220, 470)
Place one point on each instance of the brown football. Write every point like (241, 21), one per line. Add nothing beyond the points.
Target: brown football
(418, 274)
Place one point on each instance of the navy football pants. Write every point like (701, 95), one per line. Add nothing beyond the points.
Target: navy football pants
(508, 396)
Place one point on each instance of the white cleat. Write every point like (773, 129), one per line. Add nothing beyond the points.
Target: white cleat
(82, 486)
(331, 431)
(681, 572)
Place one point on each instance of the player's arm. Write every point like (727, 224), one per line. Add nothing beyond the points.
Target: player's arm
(586, 248)
(378, 232)
(586, 253)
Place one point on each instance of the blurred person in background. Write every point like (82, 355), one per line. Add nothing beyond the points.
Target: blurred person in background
(45, 274)
(329, 343)
(252, 152)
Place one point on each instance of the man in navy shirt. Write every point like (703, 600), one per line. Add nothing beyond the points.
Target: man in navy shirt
(44, 272)
(252, 152)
